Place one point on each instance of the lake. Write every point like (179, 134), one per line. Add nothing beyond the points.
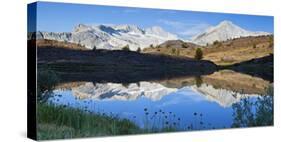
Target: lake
(184, 103)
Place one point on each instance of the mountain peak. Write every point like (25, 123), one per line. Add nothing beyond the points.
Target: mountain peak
(223, 31)
(225, 23)
(228, 25)
(81, 27)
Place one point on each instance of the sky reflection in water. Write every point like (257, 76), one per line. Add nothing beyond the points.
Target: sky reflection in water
(183, 106)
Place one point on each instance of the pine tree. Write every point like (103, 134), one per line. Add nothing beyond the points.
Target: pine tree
(198, 54)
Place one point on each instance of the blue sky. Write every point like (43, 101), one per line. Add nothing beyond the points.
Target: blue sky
(62, 17)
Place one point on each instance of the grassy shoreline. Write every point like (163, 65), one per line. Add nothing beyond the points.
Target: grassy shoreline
(61, 122)
(58, 122)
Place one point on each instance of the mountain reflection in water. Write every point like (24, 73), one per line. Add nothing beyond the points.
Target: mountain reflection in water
(204, 102)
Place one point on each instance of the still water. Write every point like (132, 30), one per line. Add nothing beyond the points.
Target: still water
(195, 103)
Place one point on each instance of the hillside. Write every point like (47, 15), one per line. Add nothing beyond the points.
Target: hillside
(44, 43)
(221, 53)
(118, 65)
(239, 50)
(173, 48)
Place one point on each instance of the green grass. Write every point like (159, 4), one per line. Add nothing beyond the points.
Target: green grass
(57, 122)
(60, 122)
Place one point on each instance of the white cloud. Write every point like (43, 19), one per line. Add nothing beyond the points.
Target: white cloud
(186, 30)
(195, 29)
(174, 24)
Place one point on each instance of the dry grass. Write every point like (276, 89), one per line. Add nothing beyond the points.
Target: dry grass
(239, 50)
(59, 44)
(172, 51)
(225, 53)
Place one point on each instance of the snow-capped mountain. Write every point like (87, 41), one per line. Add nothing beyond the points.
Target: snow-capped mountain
(117, 36)
(111, 37)
(223, 97)
(154, 92)
(223, 31)
(114, 91)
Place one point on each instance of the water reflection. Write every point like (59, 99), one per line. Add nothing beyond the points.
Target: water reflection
(193, 103)
(115, 91)
(254, 113)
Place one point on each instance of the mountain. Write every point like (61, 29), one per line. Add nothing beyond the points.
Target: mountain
(117, 36)
(223, 31)
(111, 36)
(223, 97)
(152, 91)
(114, 91)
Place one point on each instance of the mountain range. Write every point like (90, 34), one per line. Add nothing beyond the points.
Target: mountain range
(111, 37)
(153, 91)
(114, 91)
(114, 37)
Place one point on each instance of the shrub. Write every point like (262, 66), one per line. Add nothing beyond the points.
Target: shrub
(46, 81)
(198, 54)
(254, 46)
(178, 52)
(184, 46)
(216, 42)
(173, 50)
(271, 41)
(126, 48)
(198, 81)
(139, 50)
(94, 48)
